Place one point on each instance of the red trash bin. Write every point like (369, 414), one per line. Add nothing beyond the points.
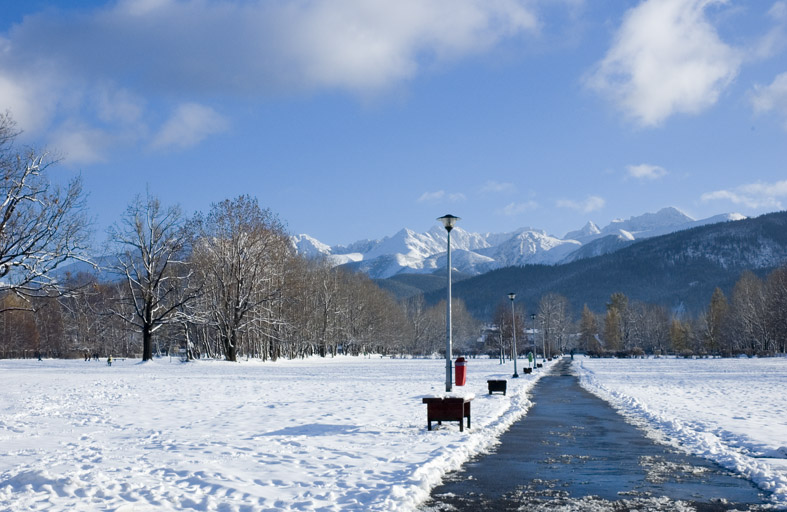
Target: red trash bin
(460, 371)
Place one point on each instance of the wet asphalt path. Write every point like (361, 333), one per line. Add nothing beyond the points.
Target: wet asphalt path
(572, 451)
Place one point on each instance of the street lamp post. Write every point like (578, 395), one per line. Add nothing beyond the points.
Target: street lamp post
(448, 221)
(533, 321)
(512, 296)
(544, 341)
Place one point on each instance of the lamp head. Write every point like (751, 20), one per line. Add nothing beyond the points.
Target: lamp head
(448, 221)
(512, 295)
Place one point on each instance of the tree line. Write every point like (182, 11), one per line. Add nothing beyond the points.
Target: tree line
(752, 321)
(227, 283)
(223, 284)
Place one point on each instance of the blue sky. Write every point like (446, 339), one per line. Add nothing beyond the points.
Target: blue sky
(351, 119)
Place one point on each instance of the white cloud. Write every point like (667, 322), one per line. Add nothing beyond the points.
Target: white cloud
(778, 11)
(440, 195)
(646, 171)
(591, 204)
(31, 102)
(142, 51)
(363, 46)
(771, 97)
(754, 195)
(431, 196)
(189, 125)
(514, 209)
(114, 105)
(143, 7)
(772, 42)
(496, 187)
(666, 59)
(81, 144)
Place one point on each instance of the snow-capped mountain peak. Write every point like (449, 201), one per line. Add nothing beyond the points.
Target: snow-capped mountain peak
(309, 246)
(406, 242)
(475, 253)
(663, 221)
(588, 231)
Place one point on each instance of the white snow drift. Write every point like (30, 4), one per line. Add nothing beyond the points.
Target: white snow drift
(731, 411)
(334, 434)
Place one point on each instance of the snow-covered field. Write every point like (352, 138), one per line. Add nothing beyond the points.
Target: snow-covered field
(732, 411)
(332, 434)
(320, 434)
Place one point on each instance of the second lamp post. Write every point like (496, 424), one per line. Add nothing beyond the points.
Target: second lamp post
(512, 296)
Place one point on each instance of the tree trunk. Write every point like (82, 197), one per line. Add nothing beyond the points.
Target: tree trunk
(230, 346)
(147, 344)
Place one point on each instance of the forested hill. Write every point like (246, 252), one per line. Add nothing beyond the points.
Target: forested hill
(678, 270)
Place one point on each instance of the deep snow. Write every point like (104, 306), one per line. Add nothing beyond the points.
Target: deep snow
(320, 434)
(731, 411)
(332, 434)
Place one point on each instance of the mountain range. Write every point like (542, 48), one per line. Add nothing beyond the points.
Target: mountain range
(408, 252)
(678, 271)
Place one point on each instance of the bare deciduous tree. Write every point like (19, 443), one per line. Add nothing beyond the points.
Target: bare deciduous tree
(42, 225)
(750, 313)
(776, 288)
(588, 332)
(554, 318)
(714, 322)
(421, 326)
(241, 254)
(150, 257)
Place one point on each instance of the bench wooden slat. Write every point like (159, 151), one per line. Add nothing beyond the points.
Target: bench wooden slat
(447, 409)
(497, 386)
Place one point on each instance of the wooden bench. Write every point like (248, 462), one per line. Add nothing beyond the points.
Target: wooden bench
(497, 386)
(447, 409)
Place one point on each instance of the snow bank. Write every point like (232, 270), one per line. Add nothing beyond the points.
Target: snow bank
(731, 411)
(333, 434)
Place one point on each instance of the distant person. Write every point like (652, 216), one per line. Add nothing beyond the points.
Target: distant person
(109, 361)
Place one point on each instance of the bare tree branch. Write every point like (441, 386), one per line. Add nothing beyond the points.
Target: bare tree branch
(42, 226)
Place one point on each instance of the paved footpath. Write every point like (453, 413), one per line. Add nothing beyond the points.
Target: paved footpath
(572, 451)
